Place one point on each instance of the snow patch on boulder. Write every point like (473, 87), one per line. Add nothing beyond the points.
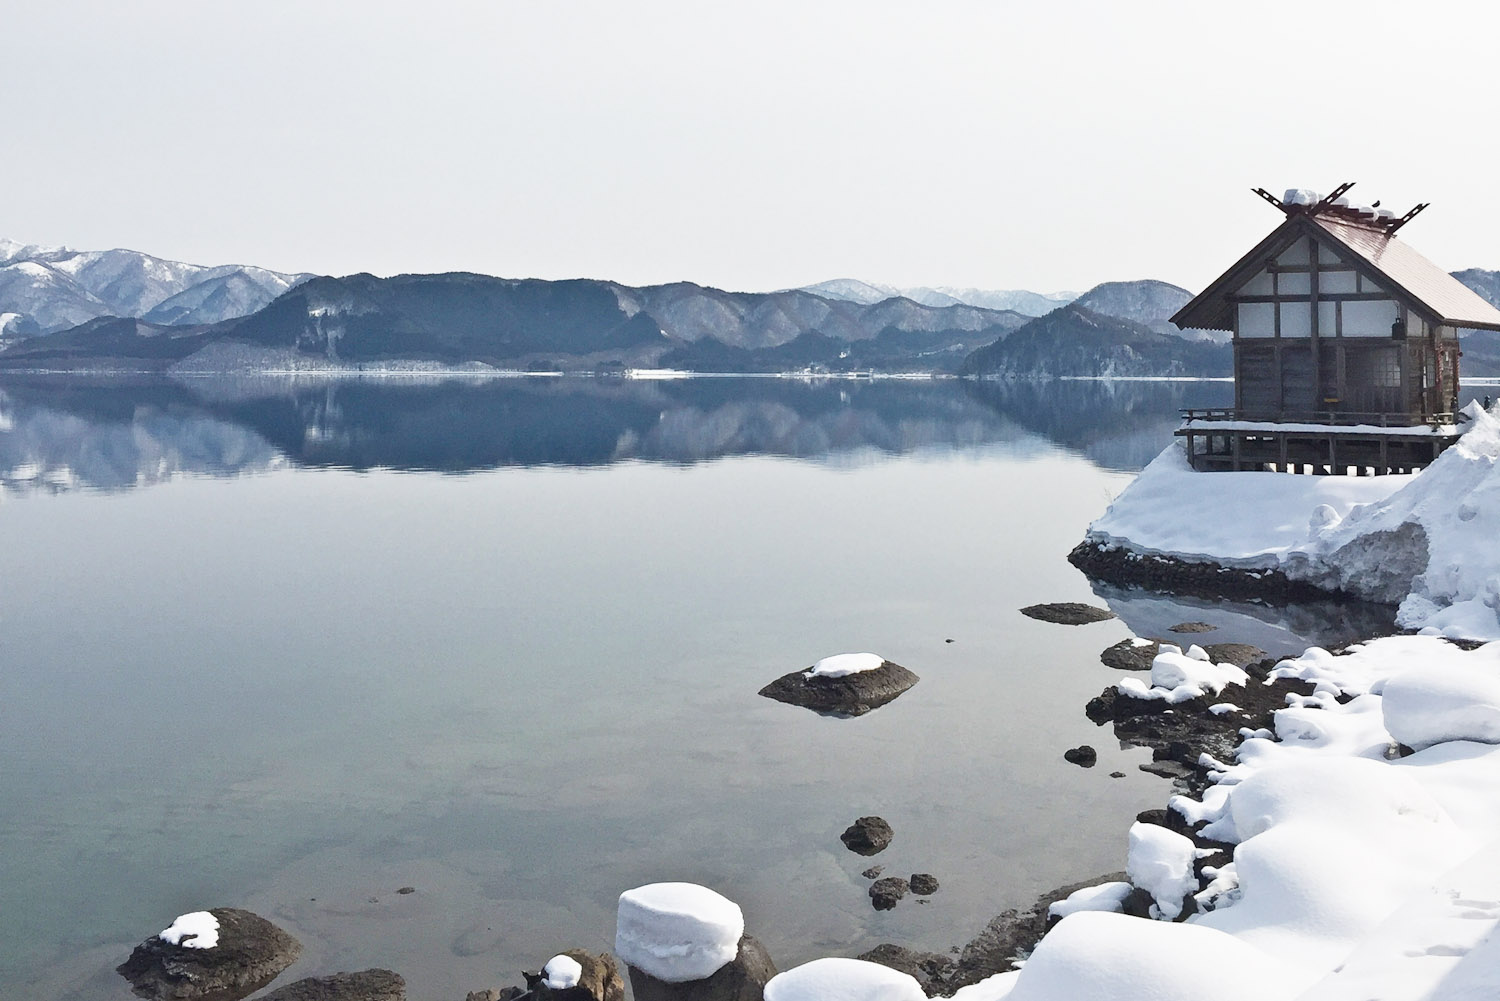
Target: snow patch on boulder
(677, 932)
(562, 972)
(844, 664)
(1161, 863)
(196, 930)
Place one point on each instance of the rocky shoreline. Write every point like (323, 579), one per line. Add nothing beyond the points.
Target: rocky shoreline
(1155, 572)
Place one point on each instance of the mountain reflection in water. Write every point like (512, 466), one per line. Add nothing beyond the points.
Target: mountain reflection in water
(112, 433)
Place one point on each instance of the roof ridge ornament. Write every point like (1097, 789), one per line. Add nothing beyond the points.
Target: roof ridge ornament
(1300, 201)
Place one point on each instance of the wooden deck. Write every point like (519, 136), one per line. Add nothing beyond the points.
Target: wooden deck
(1316, 443)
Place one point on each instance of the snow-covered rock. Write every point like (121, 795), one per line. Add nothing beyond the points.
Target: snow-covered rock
(247, 951)
(561, 972)
(1161, 863)
(1178, 677)
(677, 932)
(843, 980)
(1104, 897)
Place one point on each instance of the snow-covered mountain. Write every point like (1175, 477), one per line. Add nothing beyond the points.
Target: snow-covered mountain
(1017, 300)
(55, 288)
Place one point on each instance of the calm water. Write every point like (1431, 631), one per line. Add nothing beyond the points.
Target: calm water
(293, 646)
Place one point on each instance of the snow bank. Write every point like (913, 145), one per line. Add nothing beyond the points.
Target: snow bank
(677, 931)
(1096, 956)
(843, 664)
(562, 972)
(1454, 580)
(1236, 519)
(197, 930)
(1357, 873)
(1426, 705)
(843, 980)
(1178, 677)
(1430, 541)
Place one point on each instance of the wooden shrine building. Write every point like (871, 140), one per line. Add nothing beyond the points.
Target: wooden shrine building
(1345, 346)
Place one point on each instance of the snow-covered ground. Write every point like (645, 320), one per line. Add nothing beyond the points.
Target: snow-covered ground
(1430, 541)
(1363, 869)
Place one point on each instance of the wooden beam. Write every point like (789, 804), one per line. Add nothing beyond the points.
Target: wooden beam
(1416, 210)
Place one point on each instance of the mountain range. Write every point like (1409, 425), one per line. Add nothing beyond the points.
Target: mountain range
(1018, 300)
(144, 313)
(47, 289)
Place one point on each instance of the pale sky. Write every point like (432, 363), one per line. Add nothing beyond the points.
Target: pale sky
(1045, 145)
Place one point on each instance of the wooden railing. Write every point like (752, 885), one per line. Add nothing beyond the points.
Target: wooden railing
(1332, 418)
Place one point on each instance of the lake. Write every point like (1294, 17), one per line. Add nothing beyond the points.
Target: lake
(292, 646)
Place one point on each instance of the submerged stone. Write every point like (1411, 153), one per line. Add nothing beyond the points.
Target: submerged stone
(1067, 613)
(1130, 655)
(366, 985)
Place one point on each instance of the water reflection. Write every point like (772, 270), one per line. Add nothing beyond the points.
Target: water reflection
(112, 434)
(1282, 630)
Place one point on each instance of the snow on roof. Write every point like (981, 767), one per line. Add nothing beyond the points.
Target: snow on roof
(1301, 196)
(843, 980)
(196, 930)
(843, 664)
(1447, 297)
(677, 931)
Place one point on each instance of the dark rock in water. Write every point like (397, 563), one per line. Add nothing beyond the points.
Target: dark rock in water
(924, 966)
(867, 836)
(743, 978)
(1067, 613)
(1082, 755)
(366, 985)
(1193, 627)
(923, 883)
(850, 695)
(509, 994)
(407, 889)
(1117, 775)
(1128, 655)
(1166, 573)
(885, 892)
(1238, 654)
(873, 872)
(948, 640)
(250, 954)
